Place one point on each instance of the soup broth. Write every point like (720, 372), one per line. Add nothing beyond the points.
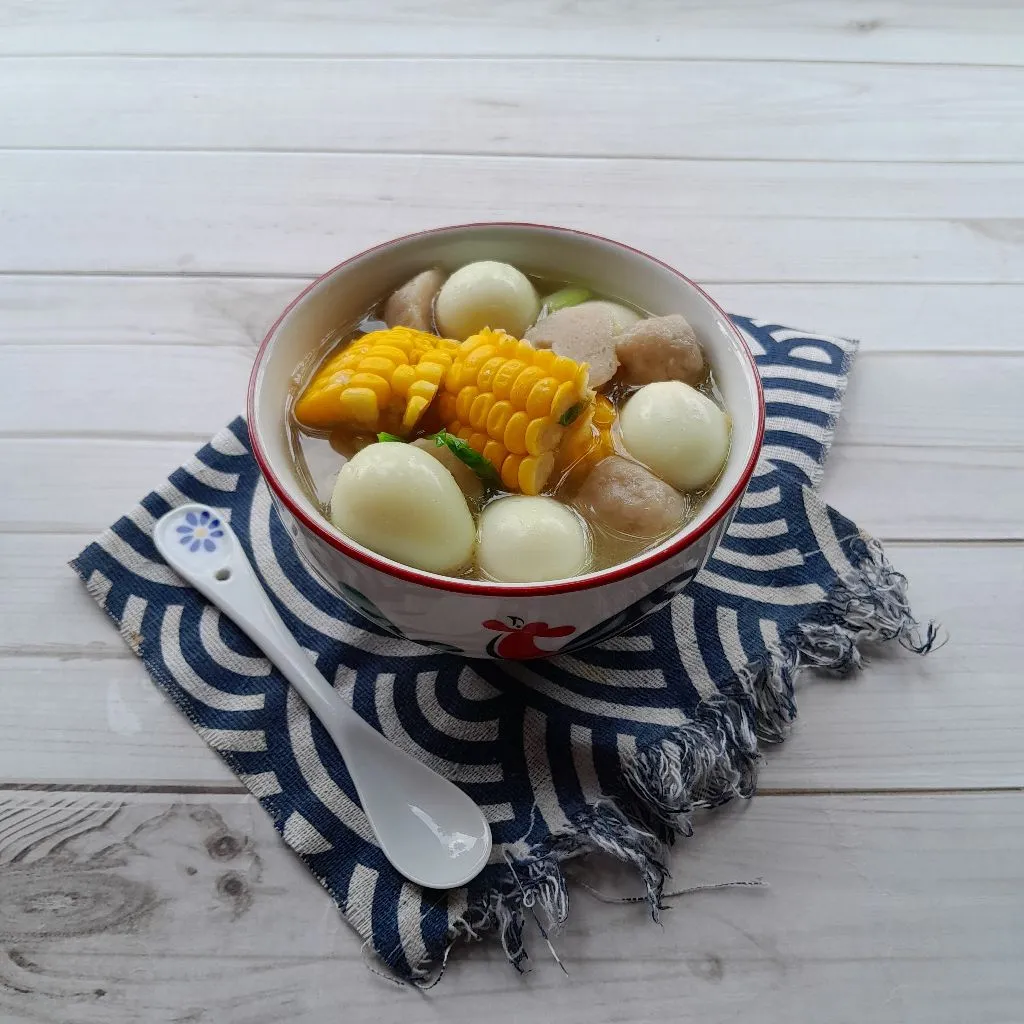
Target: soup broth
(620, 511)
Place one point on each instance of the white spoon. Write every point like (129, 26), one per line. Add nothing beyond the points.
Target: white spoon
(427, 827)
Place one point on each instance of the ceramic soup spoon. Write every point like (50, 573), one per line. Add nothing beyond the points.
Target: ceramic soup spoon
(426, 826)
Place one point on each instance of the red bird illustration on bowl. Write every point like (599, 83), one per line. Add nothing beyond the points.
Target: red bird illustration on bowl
(519, 638)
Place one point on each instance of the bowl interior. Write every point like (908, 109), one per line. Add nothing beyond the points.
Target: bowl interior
(345, 294)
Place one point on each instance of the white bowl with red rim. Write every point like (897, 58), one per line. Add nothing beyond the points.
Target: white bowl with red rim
(478, 618)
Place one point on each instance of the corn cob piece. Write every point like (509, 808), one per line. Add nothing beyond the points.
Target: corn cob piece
(384, 380)
(506, 399)
(587, 442)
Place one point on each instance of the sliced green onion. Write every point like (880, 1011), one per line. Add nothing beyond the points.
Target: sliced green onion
(466, 453)
(566, 297)
(571, 414)
(385, 436)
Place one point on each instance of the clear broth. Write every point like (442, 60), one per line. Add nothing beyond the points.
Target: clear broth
(318, 456)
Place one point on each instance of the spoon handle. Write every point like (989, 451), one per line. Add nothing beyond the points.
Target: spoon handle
(225, 577)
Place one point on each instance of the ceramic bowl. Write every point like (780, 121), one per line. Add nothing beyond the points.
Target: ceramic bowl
(484, 619)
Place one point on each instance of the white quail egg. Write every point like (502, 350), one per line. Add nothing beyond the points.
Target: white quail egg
(527, 539)
(679, 433)
(486, 294)
(401, 502)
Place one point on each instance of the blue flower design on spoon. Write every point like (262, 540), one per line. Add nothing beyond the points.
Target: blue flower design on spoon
(200, 531)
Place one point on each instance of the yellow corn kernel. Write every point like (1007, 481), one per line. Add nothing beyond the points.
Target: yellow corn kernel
(359, 405)
(524, 385)
(414, 409)
(476, 359)
(542, 435)
(510, 471)
(378, 385)
(446, 407)
(538, 401)
(545, 359)
(479, 409)
(604, 412)
(403, 376)
(515, 433)
(477, 441)
(379, 365)
(429, 371)
(534, 471)
(565, 398)
(494, 452)
(464, 401)
(485, 378)
(506, 377)
(508, 346)
(563, 368)
(497, 419)
(400, 368)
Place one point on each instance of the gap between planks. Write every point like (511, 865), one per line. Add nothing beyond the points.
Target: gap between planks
(201, 789)
(511, 154)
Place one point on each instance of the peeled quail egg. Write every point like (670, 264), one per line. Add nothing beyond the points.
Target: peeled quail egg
(486, 294)
(401, 502)
(526, 539)
(676, 431)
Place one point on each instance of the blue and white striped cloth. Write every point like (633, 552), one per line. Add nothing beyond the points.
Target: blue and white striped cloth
(605, 749)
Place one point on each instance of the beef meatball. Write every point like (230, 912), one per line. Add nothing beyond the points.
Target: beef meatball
(412, 304)
(661, 348)
(628, 499)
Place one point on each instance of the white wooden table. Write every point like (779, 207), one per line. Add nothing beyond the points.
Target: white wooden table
(171, 173)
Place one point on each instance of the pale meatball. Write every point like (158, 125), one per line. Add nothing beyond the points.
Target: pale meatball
(486, 294)
(680, 434)
(412, 305)
(469, 483)
(587, 333)
(661, 348)
(626, 498)
(398, 501)
(527, 539)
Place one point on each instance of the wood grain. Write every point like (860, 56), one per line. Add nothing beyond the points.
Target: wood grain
(86, 711)
(819, 111)
(299, 214)
(852, 919)
(113, 310)
(949, 31)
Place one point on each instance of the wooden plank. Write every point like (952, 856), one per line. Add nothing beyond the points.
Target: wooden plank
(298, 214)
(887, 317)
(332, 190)
(951, 31)
(173, 908)
(111, 310)
(735, 110)
(133, 391)
(110, 701)
(105, 476)
(947, 492)
(86, 711)
(185, 391)
(938, 721)
(114, 310)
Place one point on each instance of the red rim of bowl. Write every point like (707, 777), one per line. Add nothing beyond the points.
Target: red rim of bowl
(410, 575)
